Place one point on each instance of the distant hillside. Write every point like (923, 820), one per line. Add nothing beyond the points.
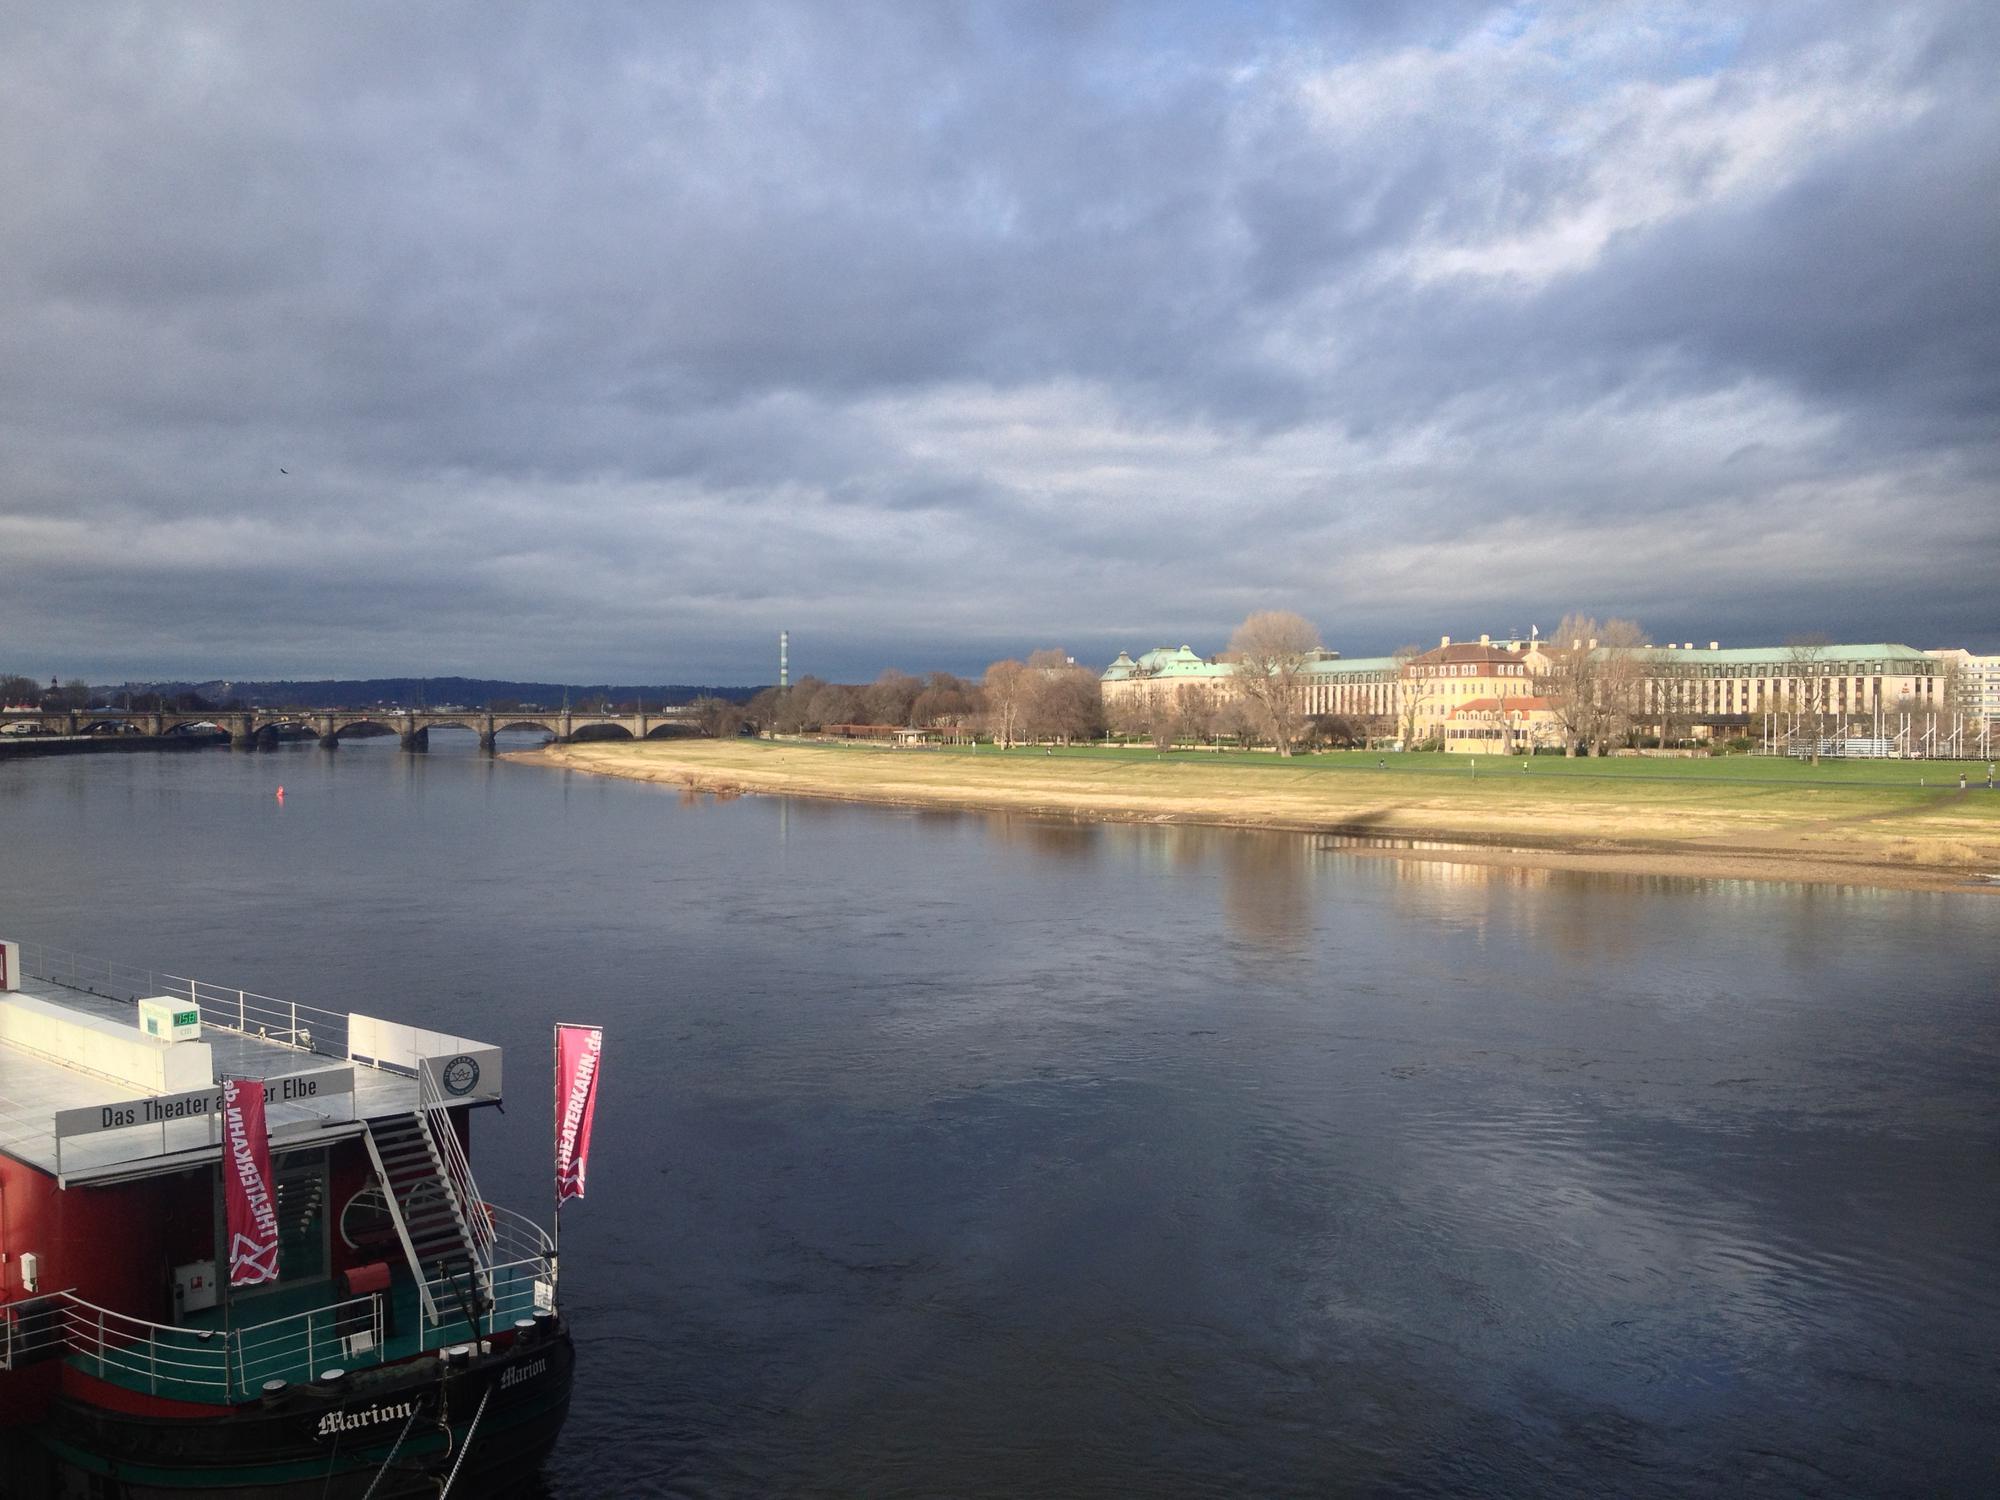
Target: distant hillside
(429, 692)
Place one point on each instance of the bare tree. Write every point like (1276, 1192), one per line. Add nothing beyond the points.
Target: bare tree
(1414, 690)
(890, 698)
(791, 705)
(1197, 711)
(1131, 714)
(1061, 701)
(1269, 652)
(947, 703)
(1670, 701)
(73, 694)
(1006, 689)
(1569, 680)
(718, 718)
(1621, 672)
(1336, 731)
(1152, 712)
(833, 703)
(1806, 655)
(1957, 700)
(1239, 717)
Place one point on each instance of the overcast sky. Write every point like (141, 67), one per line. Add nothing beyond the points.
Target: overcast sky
(600, 342)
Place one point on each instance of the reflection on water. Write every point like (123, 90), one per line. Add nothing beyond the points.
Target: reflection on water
(977, 1154)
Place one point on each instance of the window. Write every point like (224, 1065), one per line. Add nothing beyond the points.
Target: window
(300, 1188)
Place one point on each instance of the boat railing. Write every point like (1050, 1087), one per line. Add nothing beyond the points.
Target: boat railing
(219, 1364)
(225, 1007)
(119, 1347)
(348, 1334)
(286, 1022)
(457, 1167)
(520, 1280)
(518, 1237)
(211, 1364)
(31, 1330)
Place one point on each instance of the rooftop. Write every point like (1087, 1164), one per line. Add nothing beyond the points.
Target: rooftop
(71, 1045)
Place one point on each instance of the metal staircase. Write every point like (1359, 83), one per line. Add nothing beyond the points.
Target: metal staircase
(427, 1189)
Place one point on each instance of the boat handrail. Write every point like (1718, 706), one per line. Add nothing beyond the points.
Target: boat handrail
(286, 1022)
(436, 1107)
(198, 1357)
(353, 1329)
(518, 1235)
(309, 1028)
(517, 1289)
(210, 1359)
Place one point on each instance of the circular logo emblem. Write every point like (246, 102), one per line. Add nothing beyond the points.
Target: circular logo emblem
(460, 1076)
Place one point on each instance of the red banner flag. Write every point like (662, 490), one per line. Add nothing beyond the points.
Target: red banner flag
(577, 1048)
(246, 1184)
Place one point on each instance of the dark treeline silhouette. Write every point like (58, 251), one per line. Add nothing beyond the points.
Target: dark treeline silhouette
(1047, 697)
(368, 692)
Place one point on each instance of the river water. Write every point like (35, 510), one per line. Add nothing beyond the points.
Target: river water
(957, 1154)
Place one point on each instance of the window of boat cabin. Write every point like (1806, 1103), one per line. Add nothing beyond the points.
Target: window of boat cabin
(302, 1215)
(301, 1190)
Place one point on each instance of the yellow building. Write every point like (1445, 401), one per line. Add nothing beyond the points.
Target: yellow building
(1501, 726)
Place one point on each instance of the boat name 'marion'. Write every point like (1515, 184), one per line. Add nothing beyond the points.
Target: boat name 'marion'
(336, 1422)
(519, 1373)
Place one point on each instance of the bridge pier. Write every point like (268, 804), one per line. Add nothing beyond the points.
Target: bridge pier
(329, 742)
(415, 741)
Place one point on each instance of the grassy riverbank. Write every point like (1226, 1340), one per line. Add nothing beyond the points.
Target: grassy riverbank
(1882, 823)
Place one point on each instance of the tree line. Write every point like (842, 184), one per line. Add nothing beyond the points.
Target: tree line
(17, 691)
(1046, 697)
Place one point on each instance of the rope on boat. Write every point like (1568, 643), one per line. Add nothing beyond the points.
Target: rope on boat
(416, 1409)
(452, 1478)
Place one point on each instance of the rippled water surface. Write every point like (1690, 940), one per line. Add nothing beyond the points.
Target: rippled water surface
(970, 1155)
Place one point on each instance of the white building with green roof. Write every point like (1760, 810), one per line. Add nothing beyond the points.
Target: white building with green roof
(1873, 684)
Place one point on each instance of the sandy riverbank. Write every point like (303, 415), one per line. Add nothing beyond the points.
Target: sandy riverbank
(1706, 829)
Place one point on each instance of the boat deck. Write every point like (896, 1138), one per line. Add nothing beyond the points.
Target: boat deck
(34, 1087)
(293, 1334)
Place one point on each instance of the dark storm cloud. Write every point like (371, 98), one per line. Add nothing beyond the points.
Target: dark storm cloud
(605, 345)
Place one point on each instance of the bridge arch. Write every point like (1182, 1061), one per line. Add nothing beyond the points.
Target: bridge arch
(385, 726)
(500, 727)
(111, 723)
(599, 729)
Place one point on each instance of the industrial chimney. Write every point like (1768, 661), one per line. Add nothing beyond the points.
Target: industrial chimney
(784, 658)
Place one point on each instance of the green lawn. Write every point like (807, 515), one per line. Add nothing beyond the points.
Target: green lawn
(1756, 769)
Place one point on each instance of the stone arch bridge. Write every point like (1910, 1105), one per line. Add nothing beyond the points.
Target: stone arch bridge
(411, 726)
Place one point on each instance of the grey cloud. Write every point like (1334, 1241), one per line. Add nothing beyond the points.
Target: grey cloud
(1040, 323)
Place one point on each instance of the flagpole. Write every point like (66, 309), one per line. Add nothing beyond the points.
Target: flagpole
(555, 1123)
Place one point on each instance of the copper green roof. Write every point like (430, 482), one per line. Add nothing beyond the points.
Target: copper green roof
(1184, 663)
(1899, 656)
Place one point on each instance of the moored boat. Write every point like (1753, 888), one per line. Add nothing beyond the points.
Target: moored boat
(393, 1334)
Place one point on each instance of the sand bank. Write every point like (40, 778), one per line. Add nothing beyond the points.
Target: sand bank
(1871, 836)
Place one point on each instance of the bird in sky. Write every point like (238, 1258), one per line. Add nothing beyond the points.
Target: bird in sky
(285, 471)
